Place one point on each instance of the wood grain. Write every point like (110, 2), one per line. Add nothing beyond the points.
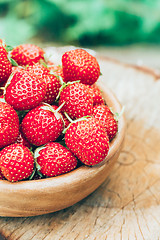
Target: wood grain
(37, 197)
(126, 206)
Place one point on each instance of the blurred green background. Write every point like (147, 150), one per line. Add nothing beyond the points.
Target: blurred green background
(80, 22)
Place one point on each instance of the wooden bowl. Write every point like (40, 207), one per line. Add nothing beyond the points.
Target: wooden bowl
(36, 197)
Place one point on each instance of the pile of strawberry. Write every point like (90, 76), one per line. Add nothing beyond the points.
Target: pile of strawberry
(52, 118)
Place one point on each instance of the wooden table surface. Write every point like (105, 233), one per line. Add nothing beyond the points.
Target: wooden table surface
(127, 205)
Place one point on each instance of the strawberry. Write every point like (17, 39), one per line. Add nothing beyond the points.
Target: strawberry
(87, 140)
(9, 124)
(96, 94)
(78, 64)
(52, 82)
(16, 162)
(55, 69)
(42, 124)
(37, 70)
(77, 98)
(107, 119)
(25, 91)
(53, 159)
(5, 65)
(27, 54)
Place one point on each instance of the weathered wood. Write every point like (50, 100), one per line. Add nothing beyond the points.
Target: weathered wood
(126, 206)
(37, 197)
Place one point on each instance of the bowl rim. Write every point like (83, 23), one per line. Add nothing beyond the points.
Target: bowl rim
(83, 172)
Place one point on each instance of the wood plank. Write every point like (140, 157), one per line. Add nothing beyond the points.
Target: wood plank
(126, 206)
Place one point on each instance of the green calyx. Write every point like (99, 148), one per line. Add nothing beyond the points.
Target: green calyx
(64, 85)
(48, 107)
(117, 115)
(36, 155)
(8, 48)
(59, 77)
(85, 118)
(33, 173)
(13, 62)
(42, 62)
(8, 83)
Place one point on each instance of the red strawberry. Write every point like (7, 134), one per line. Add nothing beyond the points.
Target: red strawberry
(78, 64)
(16, 162)
(9, 124)
(97, 95)
(27, 54)
(38, 70)
(53, 159)
(42, 124)
(55, 69)
(5, 65)
(78, 101)
(52, 82)
(88, 141)
(25, 91)
(106, 117)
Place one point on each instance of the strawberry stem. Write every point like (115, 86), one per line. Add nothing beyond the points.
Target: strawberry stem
(63, 86)
(74, 121)
(33, 173)
(60, 90)
(52, 72)
(118, 115)
(50, 108)
(60, 79)
(59, 108)
(47, 107)
(8, 82)
(67, 116)
(82, 118)
(43, 63)
(36, 155)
